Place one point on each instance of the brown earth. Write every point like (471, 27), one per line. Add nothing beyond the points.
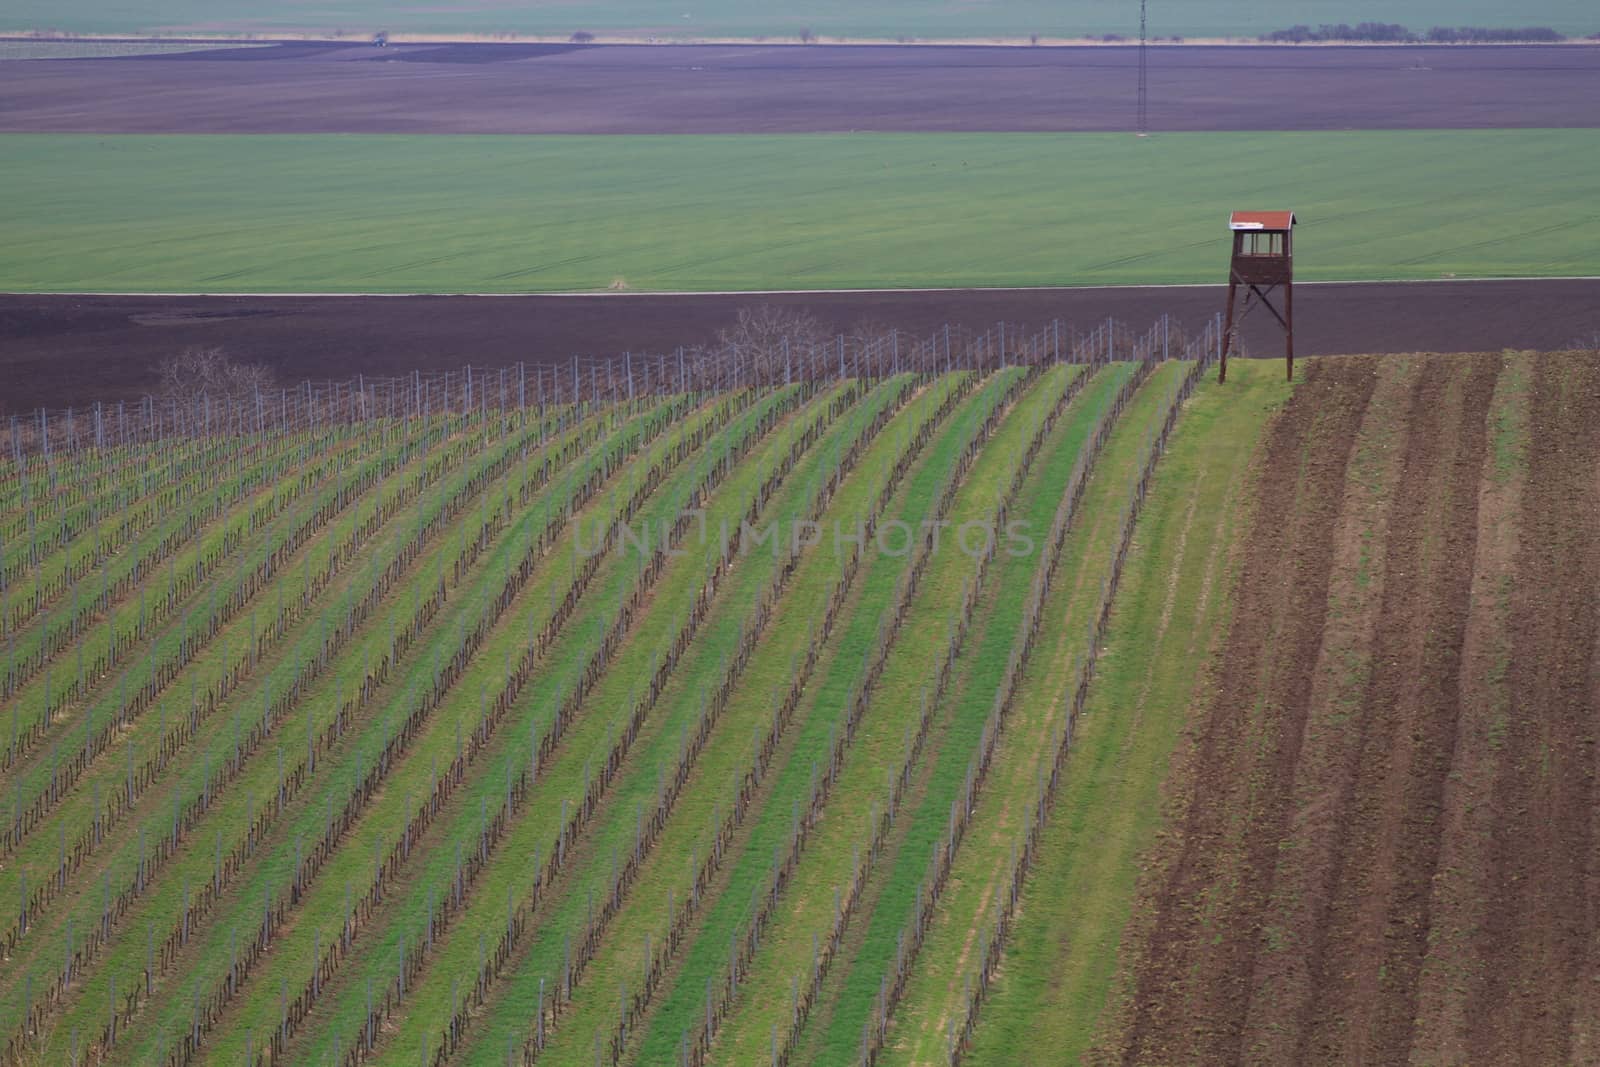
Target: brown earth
(1324, 778)
(61, 350)
(1362, 865)
(1192, 982)
(518, 88)
(1460, 895)
(1544, 880)
(1372, 932)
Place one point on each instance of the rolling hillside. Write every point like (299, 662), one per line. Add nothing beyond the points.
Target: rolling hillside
(1018, 711)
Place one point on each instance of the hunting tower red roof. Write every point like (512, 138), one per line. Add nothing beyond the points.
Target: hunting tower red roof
(1262, 264)
(1261, 220)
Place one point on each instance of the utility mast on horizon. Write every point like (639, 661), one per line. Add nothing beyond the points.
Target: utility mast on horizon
(1144, 73)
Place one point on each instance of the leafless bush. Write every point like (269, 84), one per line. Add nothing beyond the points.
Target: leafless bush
(777, 344)
(197, 372)
(765, 336)
(870, 334)
(582, 37)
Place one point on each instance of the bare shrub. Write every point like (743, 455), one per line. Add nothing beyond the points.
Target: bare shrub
(877, 346)
(870, 333)
(765, 336)
(197, 372)
(582, 37)
(807, 37)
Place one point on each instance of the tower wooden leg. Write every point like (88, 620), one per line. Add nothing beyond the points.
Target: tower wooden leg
(1227, 333)
(1288, 329)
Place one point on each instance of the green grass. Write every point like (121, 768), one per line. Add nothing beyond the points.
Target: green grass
(1048, 998)
(509, 214)
(734, 18)
(611, 829)
(344, 997)
(680, 1003)
(225, 820)
(406, 784)
(1062, 954)
(1511, 422)
(509, 1020)
(997, 628)
(140, 606)
(321, 909)
(69, 49)
(695, 816)
(954, 944)
(878, 752)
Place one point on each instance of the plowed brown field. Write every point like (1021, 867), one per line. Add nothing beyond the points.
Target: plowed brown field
(329, 87)
(57, 351)
(1383, 838)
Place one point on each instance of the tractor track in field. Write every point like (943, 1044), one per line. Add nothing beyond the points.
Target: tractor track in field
(1384, 848)
(1372, 935)
(1324, 782)
(1459, 892)
(1544, 879)
(1193, 972)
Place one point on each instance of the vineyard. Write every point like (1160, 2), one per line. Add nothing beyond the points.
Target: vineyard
(904, 706)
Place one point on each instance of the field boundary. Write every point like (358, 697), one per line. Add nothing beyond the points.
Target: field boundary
(623, 294)
(641, 39)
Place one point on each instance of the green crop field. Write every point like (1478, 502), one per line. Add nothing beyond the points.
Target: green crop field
(627, 719)
(386, 214)
(881, 19)
(74, 49)
(438, 733)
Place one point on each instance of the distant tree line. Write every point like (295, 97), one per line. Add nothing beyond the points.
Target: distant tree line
(1394, 33)
(1481, 35)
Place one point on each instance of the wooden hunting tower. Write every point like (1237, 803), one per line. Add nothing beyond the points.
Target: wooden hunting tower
(1263, 261)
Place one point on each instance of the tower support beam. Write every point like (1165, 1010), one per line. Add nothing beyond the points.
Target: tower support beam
(1262, 264)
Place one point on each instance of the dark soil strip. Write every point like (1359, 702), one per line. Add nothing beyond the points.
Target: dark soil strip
(1192, 978)
(1527, 971)
(1368, 946)
(1282, 985)
(1459, 890)
(1541, 922)
(308, 87)
(57, 351)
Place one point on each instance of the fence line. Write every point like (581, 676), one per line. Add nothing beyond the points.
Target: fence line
(1204, 352)
(593, 380)
(53, 448)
